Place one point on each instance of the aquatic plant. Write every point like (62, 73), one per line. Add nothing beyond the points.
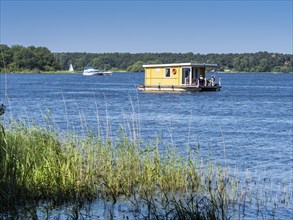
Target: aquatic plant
(41, 165)
(2, 109)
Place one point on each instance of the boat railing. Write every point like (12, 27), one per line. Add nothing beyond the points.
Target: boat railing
(203, 82)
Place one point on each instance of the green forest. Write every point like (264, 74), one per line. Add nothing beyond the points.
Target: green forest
(18, 58)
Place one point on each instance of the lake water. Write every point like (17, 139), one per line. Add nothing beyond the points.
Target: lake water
(248, 124)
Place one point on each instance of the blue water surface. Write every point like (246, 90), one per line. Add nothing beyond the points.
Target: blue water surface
(247, 125)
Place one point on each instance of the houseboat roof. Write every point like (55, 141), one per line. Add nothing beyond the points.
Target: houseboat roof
(182, 64)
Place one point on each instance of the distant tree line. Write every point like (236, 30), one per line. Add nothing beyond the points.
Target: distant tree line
(38, 59)
(26, 59)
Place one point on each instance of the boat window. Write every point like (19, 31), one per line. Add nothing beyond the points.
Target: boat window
(167, 72)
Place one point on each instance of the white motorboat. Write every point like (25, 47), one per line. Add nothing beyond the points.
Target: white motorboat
(90, 71)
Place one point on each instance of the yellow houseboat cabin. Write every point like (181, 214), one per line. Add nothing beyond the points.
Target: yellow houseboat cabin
(179, 77)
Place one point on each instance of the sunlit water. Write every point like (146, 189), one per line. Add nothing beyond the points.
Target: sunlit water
(247, 125)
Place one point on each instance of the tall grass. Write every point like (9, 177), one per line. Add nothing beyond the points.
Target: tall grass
(38, 164)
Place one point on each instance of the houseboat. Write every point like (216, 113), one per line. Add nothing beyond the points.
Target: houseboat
(189, 77)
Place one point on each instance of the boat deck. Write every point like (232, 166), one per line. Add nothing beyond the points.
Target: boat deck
(160, 88)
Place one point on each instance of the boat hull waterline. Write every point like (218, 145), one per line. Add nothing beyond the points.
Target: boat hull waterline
(179, 89)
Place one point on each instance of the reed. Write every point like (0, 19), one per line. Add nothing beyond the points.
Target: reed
(38, 164)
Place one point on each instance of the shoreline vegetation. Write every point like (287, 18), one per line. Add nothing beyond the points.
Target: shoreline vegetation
(40, 166)
(30, 59)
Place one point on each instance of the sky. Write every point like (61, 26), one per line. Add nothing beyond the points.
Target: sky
(155, 26)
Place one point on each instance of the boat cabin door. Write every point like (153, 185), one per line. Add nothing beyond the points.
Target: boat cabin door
(189, 75)
(186, 76)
